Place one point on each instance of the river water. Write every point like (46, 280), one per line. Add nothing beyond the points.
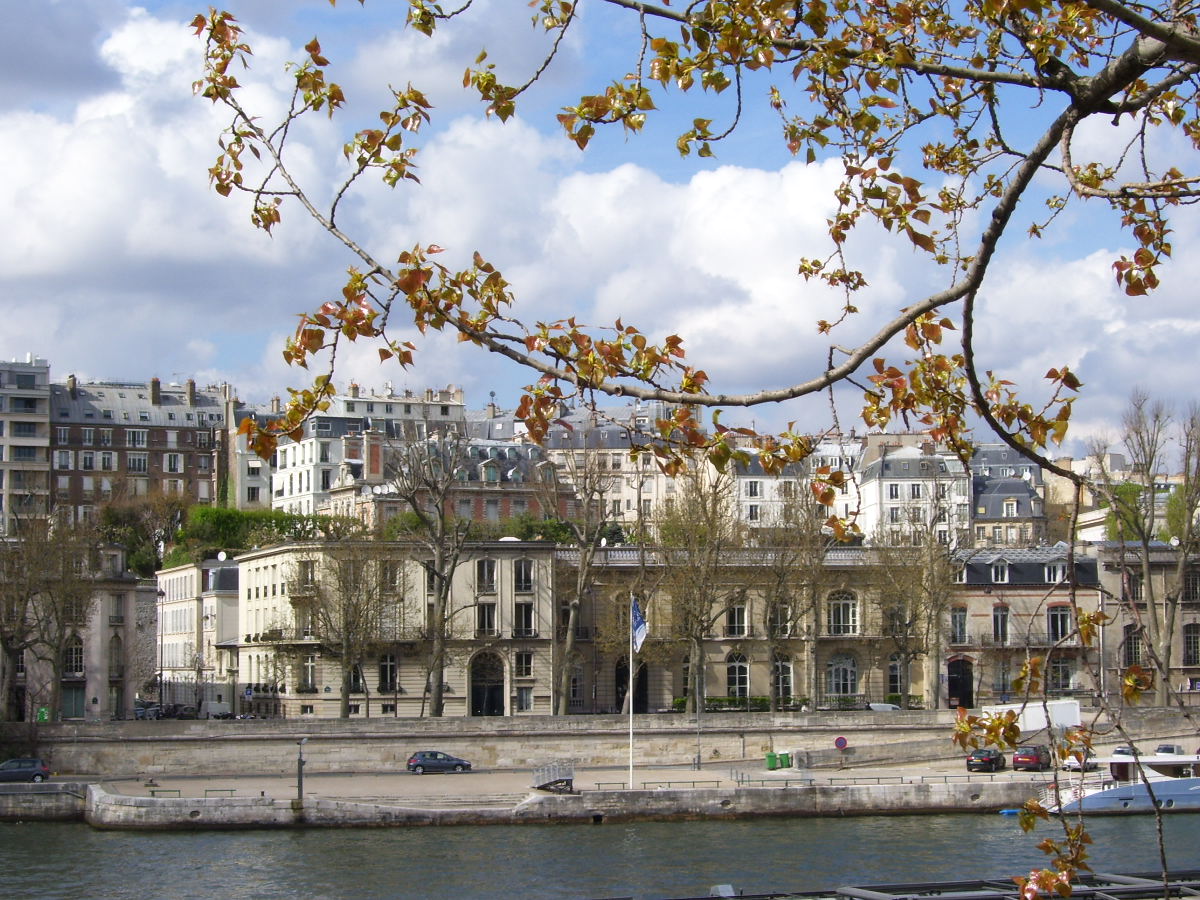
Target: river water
(643, 860)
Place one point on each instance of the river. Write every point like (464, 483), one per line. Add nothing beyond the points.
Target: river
(644, 860)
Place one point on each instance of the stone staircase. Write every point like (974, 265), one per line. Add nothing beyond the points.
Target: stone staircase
(473, 801)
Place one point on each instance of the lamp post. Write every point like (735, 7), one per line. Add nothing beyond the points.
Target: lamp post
(300, 768)
(162, 697)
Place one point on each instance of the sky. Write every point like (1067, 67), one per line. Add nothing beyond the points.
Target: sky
(119, 262)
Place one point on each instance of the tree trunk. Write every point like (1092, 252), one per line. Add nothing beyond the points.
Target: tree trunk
(567, 659)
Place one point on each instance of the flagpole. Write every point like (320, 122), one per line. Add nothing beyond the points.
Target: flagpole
(629, 694)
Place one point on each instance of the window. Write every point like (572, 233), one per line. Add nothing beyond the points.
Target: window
(485, 619)
(389, 576)
(1132, 645)
(737, 676)
(753, 488)
(485, 576)
(524, 699)
(914, 491)
(308, 680)
(1191, 644)
(106, 461)
(523, 664)
(523, 625)
(27, 430)
(735, 621)
(1059, 674)
(752, 512)
(1191, 586)
(306, 571)
(87, 461)
(1134, 580)
(387, 673)
(841, 675)
(136, 437)
(62, 459)
(781, 672)
(251, 494)
(893, 491)
(843, 613)
(137, 462)
(523, 576)
(73, 658)
(958, 625)
(356, 679)
(1000, 573)
(780, 620)
(1000, 625)
(1058, 623)
(1055, 572)
(173, 462)
(893, 514)
(306, 709)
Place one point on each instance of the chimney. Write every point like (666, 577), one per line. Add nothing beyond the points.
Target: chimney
(275, 405)
(72, 386)
(155, 392)
(354, 390)
(428, 395)
(191, 392)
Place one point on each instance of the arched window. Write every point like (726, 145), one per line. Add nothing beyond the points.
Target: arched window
(737, 676)
(781, 672)
(73, 657)
(843, 613)
(841, 675)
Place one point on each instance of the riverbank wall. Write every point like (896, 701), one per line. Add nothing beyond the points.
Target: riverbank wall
(104, 809)
(216, 747)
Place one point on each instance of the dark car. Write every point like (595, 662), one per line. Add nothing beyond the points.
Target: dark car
(435, 761)
(1126, 750)
(1034, 757)
(24, 770)
(985, 759)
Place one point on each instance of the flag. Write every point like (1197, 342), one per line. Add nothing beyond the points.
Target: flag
(640, 629)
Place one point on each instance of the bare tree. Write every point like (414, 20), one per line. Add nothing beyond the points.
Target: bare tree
(696, 533)
(426, 475)
(1143, 512)
(347, 607)
(587, 486)
(791, 578)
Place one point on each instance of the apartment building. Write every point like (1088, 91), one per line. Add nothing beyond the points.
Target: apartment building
(303, 471)
(197, 652)
(24, 441)
(499, 630)
(908, 488)
(114, 439)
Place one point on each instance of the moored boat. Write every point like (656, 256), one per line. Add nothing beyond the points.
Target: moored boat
(1132, 784)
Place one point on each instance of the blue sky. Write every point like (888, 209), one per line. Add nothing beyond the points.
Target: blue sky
(121, 263)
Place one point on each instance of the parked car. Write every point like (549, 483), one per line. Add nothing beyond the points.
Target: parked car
(1082, 760)
(27, 769)
(1126, 750)
(985, 759)
(1035, 757)
(1168, 750)
(147, 711)
(435, 761)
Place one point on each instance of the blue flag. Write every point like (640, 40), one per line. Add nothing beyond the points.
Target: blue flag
(640, 629)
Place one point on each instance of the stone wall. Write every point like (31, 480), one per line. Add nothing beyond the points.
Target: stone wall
(243, 747)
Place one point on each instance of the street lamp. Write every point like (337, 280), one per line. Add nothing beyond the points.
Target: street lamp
(162, 699)
(300, 768)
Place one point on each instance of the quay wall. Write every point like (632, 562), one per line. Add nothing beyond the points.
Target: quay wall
(114, 811)
(218, 747)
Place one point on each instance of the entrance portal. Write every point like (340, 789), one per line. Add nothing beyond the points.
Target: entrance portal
(960, 684)
(487, 685)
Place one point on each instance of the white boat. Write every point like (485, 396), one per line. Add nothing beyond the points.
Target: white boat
(1168, 782)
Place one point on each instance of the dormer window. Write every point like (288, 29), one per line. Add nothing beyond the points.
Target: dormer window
(1000, 572)
(1056, 572)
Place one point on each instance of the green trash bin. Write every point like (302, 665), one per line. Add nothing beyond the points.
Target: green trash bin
(772, 762)
(785, 760)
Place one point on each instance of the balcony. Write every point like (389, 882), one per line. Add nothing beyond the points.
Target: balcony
(738, 631)
(116, 673)
(1022, 640)
(487, 632)
(525, 632)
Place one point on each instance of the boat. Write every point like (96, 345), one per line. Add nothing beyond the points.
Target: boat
(1169, 782)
